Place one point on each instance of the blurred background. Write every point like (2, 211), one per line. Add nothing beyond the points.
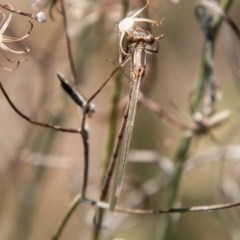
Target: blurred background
(41, 169)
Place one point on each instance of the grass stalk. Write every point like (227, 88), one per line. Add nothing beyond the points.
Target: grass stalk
(165, 224)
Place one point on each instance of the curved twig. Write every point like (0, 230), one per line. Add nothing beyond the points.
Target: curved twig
(40, 124)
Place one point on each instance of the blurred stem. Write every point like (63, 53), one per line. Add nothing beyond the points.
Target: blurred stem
(99, 215)
(166, 224)
(68, 41)
(199, 87)
(85, 41)
(109, 147)
(28, 203)
(112, 122)
(125, 6)
(41, 141)
(70, 210)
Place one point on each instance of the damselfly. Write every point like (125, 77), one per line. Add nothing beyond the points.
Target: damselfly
(140, 43)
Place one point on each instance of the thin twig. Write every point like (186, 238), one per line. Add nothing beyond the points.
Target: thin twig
(40, 16)
(99, 213)
(111, 167)
(106, 81)
(104, 205)
(162, 113)
(68, 41)
(76, 96)
(85, 142)
(113, 120)
(40, 124)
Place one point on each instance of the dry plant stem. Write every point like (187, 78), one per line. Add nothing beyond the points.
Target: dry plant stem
(70, 210)
(204, 67)
(99, 214)
(98, 218)
(162, 113)
(181, 154)
(165, 228)
(84, 131)
(104, 84)
(106, 81)
(112, 164)
(70, 57)
(134, 211)
(112, 122)
(42, 142)
(30, 15)
(114, 110)
(109, 162)
(85, 142)
(40, 124)
(205, 208)
(105, 206)
(73, 205)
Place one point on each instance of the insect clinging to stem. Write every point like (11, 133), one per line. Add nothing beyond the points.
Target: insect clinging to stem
(128, 25)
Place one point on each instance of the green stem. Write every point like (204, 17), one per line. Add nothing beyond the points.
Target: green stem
(166, 224)
(70, 210)
(112, 122)
(165, 229)
(99, 215)
(199, 87)
(109, 147)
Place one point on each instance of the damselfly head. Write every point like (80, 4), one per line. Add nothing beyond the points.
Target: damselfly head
(129, 25)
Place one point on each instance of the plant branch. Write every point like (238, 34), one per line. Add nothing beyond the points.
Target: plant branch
(40, 124)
